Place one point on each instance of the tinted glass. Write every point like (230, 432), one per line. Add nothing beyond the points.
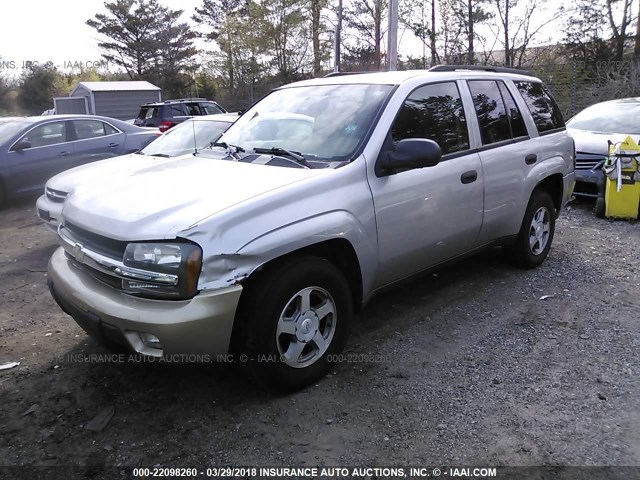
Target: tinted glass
(148, 112)
(609, 117)
(47, 134)
(543, 108)
(86, 129)
(192, 109)
(491, 112)
(434, 112)
(518, 128)
(175, 110)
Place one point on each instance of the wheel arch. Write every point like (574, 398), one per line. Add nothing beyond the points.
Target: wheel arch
(339, 251)
(553, 185)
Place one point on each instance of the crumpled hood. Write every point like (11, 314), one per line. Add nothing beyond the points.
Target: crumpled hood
(595, 142)
(163, 199)
(102, 170)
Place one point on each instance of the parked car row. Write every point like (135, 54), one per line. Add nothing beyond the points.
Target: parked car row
(33, 149)
(188, 137)
(323, 194)
(165, 115)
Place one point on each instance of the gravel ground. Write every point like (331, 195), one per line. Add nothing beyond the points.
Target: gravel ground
(478, 364)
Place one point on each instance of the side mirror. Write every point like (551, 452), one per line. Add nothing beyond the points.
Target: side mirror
(408, 154)
(21, 145)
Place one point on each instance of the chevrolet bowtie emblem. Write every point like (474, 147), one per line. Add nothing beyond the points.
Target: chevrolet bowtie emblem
(78, 253)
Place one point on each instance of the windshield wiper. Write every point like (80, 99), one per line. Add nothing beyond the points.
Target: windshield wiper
(295, 156)
(232, 150)
(227, 146)
(162, 155)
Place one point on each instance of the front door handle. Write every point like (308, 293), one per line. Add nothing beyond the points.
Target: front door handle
(531, 159)
(469, 177)
(113, 145)
(65, 154)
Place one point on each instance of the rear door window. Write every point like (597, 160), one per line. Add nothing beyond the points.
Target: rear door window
(193, 109)
(491, 111)
(109, 130)
(544, 110)
(85, 129)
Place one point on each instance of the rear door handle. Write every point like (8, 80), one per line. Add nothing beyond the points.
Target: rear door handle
(113, 145)
(531, 159)
(469, 177)
(65, 154)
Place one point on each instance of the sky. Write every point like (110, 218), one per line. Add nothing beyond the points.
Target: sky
(55, 30)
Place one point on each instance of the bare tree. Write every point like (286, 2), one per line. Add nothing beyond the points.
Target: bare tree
(365, 18)
(315, 7)
(452, 32)
(619, 30)
(420, 18)
(516, 32)
(220, 16)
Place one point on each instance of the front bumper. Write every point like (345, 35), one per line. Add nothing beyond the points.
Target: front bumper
(200, 326)
(589, 183)
(49, 212)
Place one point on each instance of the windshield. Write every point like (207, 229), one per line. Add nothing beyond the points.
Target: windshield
(609, 118)
(180, 139)
(10, 128)
(320, 122)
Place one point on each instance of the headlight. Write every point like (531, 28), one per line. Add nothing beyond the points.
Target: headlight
(162, 270)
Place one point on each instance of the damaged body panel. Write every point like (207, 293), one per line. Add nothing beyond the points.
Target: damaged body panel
(322, 194)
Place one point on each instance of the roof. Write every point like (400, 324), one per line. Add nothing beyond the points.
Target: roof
(178, 100)
(398, 77)
(219, 117)
(116, 86)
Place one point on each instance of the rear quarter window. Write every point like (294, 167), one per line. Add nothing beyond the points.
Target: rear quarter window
(544, 110)
(211, 108)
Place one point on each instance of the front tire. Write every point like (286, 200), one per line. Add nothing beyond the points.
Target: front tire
(600, 207)
(536, 233)
(294, 318)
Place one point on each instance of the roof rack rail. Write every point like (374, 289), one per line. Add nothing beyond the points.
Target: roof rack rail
(482, 68)
(185, 99)
(339, 74)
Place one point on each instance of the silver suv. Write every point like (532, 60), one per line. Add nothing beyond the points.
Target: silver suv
(261, 248)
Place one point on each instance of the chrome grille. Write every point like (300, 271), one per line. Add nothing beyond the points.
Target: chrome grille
(57, 196)
(102, 257)
(589, 161)
(97, 243)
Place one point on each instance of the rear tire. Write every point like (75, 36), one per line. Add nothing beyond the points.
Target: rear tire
(536, 233)
(2, 195)
(294, 318)
(600, 207)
